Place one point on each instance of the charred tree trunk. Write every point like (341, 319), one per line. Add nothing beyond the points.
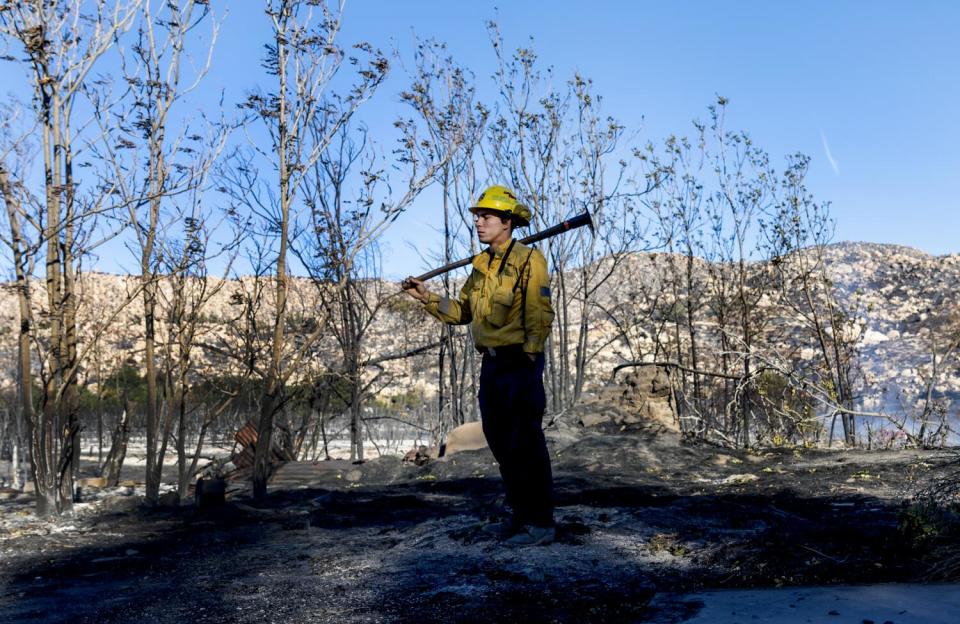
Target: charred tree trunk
(118, 447)
(24, 371)
(270, 402)
(692, 331)
(745, 312)
(48, 470)
(185, 470)
(150, 372)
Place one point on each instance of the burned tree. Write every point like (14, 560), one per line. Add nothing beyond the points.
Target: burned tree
(443, 96)
(349, 211)
(563, 156)
(522, 150)
(300, 115)
(12, 152)
(62, 41)
(154, 162)
(797, 232)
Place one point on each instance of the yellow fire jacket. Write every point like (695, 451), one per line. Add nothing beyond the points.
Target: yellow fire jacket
(506, 300)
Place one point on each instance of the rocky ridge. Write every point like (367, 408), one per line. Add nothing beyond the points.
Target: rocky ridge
(902, 298)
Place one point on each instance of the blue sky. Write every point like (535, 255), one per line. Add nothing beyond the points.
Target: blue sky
(868, 89)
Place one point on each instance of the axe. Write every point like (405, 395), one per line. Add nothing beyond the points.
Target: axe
(570, 224)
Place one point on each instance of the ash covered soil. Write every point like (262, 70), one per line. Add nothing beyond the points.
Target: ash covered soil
(641, 513)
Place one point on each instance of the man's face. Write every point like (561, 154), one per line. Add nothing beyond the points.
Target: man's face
(491, 228)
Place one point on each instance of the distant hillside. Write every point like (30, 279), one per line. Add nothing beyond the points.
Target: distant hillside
(907, 298)
(902, 296)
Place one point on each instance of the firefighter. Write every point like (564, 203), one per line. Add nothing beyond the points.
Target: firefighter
(506, 301)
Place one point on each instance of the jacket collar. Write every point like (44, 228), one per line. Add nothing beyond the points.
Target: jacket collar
(489, 256)
(496, 253)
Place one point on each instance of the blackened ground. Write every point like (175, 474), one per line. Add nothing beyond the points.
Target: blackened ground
(638, 513)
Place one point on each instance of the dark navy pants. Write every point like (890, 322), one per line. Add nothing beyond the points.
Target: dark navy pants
(512, 402)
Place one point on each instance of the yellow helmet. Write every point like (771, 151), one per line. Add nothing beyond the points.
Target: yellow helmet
(502, 199)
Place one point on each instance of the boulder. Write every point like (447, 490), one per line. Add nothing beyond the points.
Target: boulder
(591, 420)
(420, 455)
(466, 437)
(92, 482)
(644, 396)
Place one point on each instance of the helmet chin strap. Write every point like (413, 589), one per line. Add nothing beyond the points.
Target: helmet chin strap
(501, 239)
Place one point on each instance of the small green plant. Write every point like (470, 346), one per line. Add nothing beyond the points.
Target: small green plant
(922, 524)
(670, 543)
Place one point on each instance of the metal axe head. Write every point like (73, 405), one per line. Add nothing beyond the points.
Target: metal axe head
(580, 220)
(590, 222)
